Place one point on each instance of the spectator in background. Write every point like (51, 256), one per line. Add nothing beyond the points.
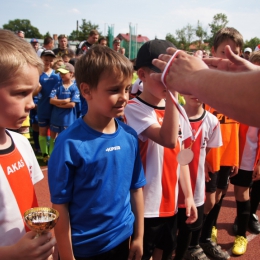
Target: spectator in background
(247, 52)
(20, 34)
(63, 46)
(102, 41)
(48, 44)
(257, 48)
(35, 44)
(116, 44)
(85, 45)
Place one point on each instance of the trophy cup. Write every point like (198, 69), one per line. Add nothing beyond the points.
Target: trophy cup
(41, 219)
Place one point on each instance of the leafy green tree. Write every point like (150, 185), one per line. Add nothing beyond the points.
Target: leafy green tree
(252, 43)
(219, 21)
(23, 25)
(185, 36)
(47, 34)
(201, 34)
(84, 30)
(171, 38)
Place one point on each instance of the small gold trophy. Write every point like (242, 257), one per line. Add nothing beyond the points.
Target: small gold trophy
(41, 219)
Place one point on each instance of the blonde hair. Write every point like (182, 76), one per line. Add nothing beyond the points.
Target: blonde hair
(255, 57)
(15, 54)
(98, 60)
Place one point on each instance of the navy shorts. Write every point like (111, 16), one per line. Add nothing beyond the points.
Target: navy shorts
(242, 178)
(57, 129)
(43, 122)
(219, 180)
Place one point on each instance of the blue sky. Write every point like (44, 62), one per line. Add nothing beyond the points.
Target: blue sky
(151, 17)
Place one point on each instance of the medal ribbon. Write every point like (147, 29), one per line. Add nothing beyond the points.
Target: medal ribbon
(174, 100)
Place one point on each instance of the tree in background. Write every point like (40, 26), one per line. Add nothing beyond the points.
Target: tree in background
(169, 37)
(47, 34)
(23, 25)
(219, 21)
(84, 30)
(185, 36)
(252, 43)
(201, 34)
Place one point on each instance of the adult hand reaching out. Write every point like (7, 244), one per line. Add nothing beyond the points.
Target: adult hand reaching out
(234, 63)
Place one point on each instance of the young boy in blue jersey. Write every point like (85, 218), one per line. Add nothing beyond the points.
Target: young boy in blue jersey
(95, 170)
(48, 80)
(63, 97)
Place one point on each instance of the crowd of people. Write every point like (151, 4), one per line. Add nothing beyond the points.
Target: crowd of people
(139, 178)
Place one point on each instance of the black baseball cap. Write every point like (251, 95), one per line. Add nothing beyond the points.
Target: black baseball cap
(48, 53)
(149, 51)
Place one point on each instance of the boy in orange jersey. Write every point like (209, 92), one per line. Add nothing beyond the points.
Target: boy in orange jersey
(249, 137)
(223, 160)
(19, 169)
(156, 119)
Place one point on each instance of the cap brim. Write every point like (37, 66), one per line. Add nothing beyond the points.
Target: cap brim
(48, 55)
(63, 71)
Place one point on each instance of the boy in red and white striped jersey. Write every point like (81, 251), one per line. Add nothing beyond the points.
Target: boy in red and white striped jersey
(156, 120)
(206, 134)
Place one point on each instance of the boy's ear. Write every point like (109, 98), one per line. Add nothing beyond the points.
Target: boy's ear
(141, 74)
(85, 91)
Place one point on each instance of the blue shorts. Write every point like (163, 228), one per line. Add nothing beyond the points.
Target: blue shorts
(57, 129)
(33, 119)
(43, 122)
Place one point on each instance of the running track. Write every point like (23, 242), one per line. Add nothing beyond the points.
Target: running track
(226, 218)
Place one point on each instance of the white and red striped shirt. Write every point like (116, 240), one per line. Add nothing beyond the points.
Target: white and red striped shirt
(208, 137)
(249, 141)
(160, 164)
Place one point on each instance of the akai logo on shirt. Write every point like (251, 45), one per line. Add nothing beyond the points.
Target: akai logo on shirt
(110, 149)
(15, 167)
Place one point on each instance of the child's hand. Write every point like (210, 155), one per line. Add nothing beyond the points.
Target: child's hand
(256, 172)
(234, 171)
(191, 211)
(31, 248)
(136, 249)
(207, 169)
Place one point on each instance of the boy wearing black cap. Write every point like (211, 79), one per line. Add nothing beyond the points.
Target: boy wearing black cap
(156, 119)
(48, 80)
(63, 97)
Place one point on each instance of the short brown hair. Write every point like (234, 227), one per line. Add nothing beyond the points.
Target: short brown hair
(99, 59)
(15, 53)
(93, 32)
(228, 33)
(255, 57)
(61, 36)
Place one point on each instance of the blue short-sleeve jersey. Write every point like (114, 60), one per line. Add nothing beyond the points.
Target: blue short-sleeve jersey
(94, 173)
(64, 116)
(47, 82)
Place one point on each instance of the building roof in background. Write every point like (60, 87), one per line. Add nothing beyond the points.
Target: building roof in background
(126, 37)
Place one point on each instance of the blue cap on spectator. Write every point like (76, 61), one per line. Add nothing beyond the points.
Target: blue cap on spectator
(33, 40)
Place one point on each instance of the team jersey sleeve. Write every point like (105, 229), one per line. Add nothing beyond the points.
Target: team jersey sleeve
(54, 91)
(185, 128)
(75, 95)
(215, 139)
(139, 117)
